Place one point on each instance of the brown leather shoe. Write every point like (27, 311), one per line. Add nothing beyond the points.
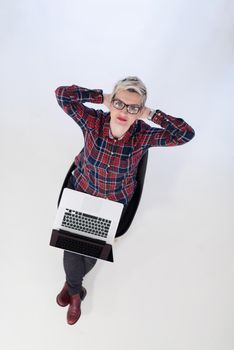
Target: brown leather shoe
(63, 298)
(74, 312)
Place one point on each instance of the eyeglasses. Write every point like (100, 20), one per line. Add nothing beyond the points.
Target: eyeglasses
(132, 109)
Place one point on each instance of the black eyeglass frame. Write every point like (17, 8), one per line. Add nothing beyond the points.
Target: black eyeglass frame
(125, 105)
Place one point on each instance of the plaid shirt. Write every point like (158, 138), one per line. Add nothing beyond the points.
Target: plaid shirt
(106, 166)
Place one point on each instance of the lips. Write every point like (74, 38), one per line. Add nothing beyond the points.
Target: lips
(122, 119)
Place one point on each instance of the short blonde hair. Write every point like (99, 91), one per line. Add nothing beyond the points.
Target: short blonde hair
(132, 84)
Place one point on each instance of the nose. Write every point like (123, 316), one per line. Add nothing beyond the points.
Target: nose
(124, 110)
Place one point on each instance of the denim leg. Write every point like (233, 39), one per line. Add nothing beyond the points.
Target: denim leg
(76, 266)
(89, 263)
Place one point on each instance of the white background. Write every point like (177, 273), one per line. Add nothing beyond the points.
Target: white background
(171, 286)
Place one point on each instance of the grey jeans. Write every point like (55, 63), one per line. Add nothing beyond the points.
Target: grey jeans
(76, 266)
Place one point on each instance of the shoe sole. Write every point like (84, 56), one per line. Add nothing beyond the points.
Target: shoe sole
(84, 293)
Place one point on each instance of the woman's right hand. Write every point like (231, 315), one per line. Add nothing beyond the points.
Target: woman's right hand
(107, 100)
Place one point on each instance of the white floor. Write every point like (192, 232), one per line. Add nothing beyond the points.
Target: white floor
(172, 283)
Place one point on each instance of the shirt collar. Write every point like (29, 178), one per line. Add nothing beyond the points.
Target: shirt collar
(124, 138)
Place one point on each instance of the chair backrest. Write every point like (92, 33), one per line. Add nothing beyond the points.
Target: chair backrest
(131, 208)
(130, 211)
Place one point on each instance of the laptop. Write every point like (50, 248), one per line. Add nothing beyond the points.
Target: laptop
(86, 224)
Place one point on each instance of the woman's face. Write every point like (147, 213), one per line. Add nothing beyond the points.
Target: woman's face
(122, 117)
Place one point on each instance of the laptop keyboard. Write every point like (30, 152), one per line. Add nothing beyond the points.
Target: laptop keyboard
(80, 247)
(86, 223)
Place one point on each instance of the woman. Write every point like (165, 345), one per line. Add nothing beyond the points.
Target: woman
(114, 143)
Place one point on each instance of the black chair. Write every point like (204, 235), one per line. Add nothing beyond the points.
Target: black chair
(131, 208)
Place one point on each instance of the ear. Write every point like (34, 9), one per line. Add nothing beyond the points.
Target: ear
(141, 112)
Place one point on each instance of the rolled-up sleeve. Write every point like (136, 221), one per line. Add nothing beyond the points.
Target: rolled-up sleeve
(72, 98)
(172, 132)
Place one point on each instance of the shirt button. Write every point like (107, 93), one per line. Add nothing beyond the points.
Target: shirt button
(112, 152)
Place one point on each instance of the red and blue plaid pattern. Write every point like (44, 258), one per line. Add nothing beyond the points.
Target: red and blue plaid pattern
(106, 167)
